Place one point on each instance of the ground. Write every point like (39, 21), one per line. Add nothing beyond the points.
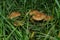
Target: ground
(30, 30)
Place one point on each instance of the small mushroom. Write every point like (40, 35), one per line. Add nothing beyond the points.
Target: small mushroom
(14, 14)
(48, 18)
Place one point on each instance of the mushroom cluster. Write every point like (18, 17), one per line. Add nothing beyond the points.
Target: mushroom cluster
(38, 16)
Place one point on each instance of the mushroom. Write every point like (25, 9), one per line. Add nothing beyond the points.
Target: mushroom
(48, 18)
(14, 14)
(36, 15)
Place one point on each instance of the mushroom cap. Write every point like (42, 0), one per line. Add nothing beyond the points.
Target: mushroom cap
(39, 17)
(14, 14)
(34, 12)
(48, 18)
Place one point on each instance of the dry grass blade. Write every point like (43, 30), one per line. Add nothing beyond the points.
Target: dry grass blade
(59, 34)
(18, 23)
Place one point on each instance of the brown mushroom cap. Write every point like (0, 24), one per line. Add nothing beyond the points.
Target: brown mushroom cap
(38, 17)
(34, 12)
(14, 14)
(48, 18)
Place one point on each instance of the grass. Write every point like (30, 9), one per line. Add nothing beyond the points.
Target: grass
(42, 30)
